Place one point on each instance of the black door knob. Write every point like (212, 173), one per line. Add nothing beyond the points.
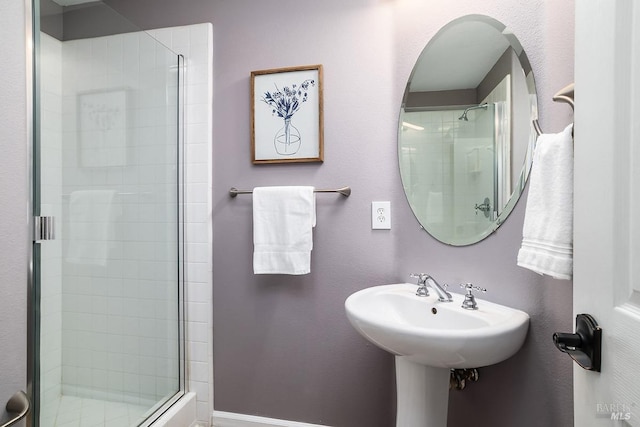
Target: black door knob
(584, 346)
(567, 342)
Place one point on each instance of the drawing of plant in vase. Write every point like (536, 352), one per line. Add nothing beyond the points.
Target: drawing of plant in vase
(285, 103)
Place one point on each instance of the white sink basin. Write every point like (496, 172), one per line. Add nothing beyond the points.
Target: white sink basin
(436, 334)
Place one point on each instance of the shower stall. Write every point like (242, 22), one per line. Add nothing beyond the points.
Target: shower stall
(452, 158)
(107, 292)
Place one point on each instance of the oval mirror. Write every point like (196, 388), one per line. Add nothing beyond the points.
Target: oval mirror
(466, 130)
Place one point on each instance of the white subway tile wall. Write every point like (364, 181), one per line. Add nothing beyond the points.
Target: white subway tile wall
(195, 42)
(119, 246)
(111, 296)
(50, 260)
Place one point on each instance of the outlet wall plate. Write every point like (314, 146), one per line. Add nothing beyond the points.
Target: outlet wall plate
(381, 215)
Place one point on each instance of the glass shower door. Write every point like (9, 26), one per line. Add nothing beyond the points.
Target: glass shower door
(108, 287)
(474, 173)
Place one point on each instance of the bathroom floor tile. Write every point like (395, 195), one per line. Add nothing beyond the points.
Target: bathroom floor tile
(71, 411)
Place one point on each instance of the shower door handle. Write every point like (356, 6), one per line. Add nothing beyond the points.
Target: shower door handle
(18, 406)
(43, 229)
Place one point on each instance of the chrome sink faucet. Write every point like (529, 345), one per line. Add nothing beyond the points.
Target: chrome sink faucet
(425, 280)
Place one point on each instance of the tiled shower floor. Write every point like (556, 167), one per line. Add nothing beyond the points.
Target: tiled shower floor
(82, 412)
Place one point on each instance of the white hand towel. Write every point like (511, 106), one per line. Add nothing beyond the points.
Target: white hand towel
(90, 224)
(283, 218)
(547, 234)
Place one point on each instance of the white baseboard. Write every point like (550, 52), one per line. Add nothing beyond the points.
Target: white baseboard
(229, 419)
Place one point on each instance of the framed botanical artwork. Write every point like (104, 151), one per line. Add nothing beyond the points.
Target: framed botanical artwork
(286, 115)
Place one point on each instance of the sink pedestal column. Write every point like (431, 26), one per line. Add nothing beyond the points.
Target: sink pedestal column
(422, 393)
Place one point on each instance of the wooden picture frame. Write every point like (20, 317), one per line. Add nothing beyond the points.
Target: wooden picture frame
(287, 115)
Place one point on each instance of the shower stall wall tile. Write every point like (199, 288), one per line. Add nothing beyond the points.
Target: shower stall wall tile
(110, 327)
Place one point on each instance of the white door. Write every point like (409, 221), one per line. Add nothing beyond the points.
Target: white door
(607, 206)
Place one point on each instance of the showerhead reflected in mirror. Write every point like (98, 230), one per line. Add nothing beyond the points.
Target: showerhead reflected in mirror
(466, 111)
(466, 135)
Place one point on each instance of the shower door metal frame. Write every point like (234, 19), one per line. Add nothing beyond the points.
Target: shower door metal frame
(32, 28)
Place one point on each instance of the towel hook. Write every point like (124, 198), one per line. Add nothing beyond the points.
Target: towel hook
(566, 94)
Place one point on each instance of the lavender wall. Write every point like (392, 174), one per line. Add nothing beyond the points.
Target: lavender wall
(282, 345)
(13, 201)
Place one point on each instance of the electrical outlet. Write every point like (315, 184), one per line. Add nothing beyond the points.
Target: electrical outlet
(381, 215)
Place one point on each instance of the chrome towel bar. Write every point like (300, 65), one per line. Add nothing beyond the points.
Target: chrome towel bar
(345, 191)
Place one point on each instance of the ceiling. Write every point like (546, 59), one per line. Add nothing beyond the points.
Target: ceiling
(458, 58)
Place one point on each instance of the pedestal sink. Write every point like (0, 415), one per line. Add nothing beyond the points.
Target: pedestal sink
(429, 338)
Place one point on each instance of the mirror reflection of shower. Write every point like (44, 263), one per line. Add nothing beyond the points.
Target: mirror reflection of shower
(475, 107)
(450, 167)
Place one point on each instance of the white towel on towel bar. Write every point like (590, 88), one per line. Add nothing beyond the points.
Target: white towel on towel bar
(547, 234)
(283, 219)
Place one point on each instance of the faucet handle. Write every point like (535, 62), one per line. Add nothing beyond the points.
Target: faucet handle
(469, 302)
(471, 287)
(422, 278)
